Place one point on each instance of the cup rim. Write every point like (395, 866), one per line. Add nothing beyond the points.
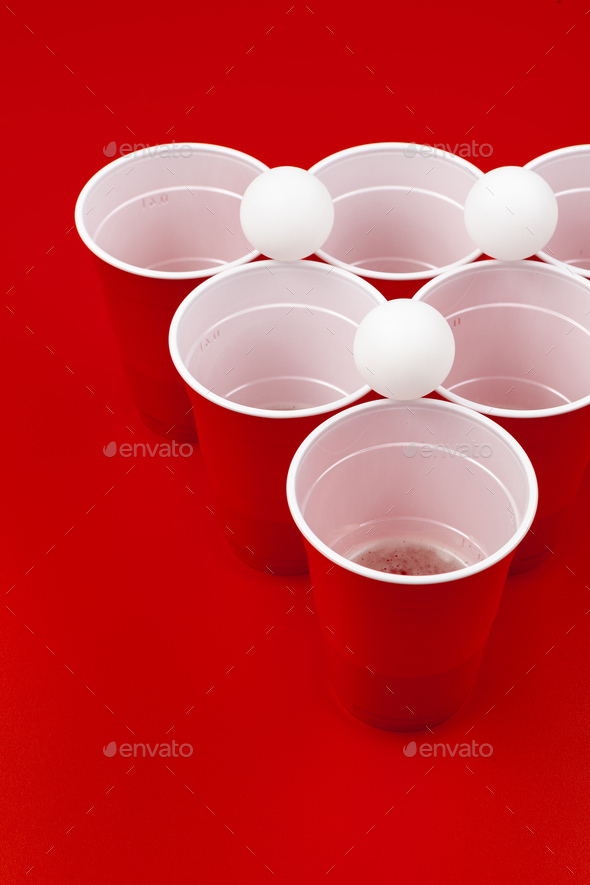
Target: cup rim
(194, 384)
(412, 580)
(482, 408)
(395, 147)
(561, 153)
(134, 156)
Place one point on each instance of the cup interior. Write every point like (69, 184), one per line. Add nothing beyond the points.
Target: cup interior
(567, 171)
(398, 212)
(170, 210)
(426, 481)
(522, 334)
(274, 337)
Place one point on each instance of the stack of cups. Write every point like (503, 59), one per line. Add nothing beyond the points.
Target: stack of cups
(158, 221)
(408, 516)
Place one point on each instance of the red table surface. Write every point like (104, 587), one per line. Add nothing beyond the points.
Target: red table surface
(124, 617)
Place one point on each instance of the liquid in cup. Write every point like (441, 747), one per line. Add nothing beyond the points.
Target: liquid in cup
(266, 354)
(157, 221)
(403, 650)
(522, 336)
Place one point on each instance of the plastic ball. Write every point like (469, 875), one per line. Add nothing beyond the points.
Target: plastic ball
(287, 213)
(404, 349)
(511, 213)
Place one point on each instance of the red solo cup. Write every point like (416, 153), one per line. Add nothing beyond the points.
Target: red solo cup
(157, 221)
(266, 353)
(567, 171)
(410, 513)
(398, 213)
(522, 336)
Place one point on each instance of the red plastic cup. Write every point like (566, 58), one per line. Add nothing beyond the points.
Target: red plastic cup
(157, 221)
(410, 487)
(522, 336)
(567, 171)
(398, 213)
(266, 353)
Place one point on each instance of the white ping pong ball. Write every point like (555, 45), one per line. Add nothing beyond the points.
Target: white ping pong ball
(287, 213)
(511, 213)
(404, 349)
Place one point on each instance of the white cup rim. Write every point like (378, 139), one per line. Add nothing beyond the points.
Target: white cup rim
(255, 267)
(412, 580)
(399, 147)
(560, 153)
(482, 408)
(130, 158)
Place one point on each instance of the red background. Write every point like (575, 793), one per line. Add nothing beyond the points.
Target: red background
(124, 616)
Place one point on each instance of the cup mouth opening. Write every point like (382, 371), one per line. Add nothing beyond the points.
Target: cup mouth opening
(412, 580)
(396, 147)
(149, 153)
(313, 267)
(525, 264)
